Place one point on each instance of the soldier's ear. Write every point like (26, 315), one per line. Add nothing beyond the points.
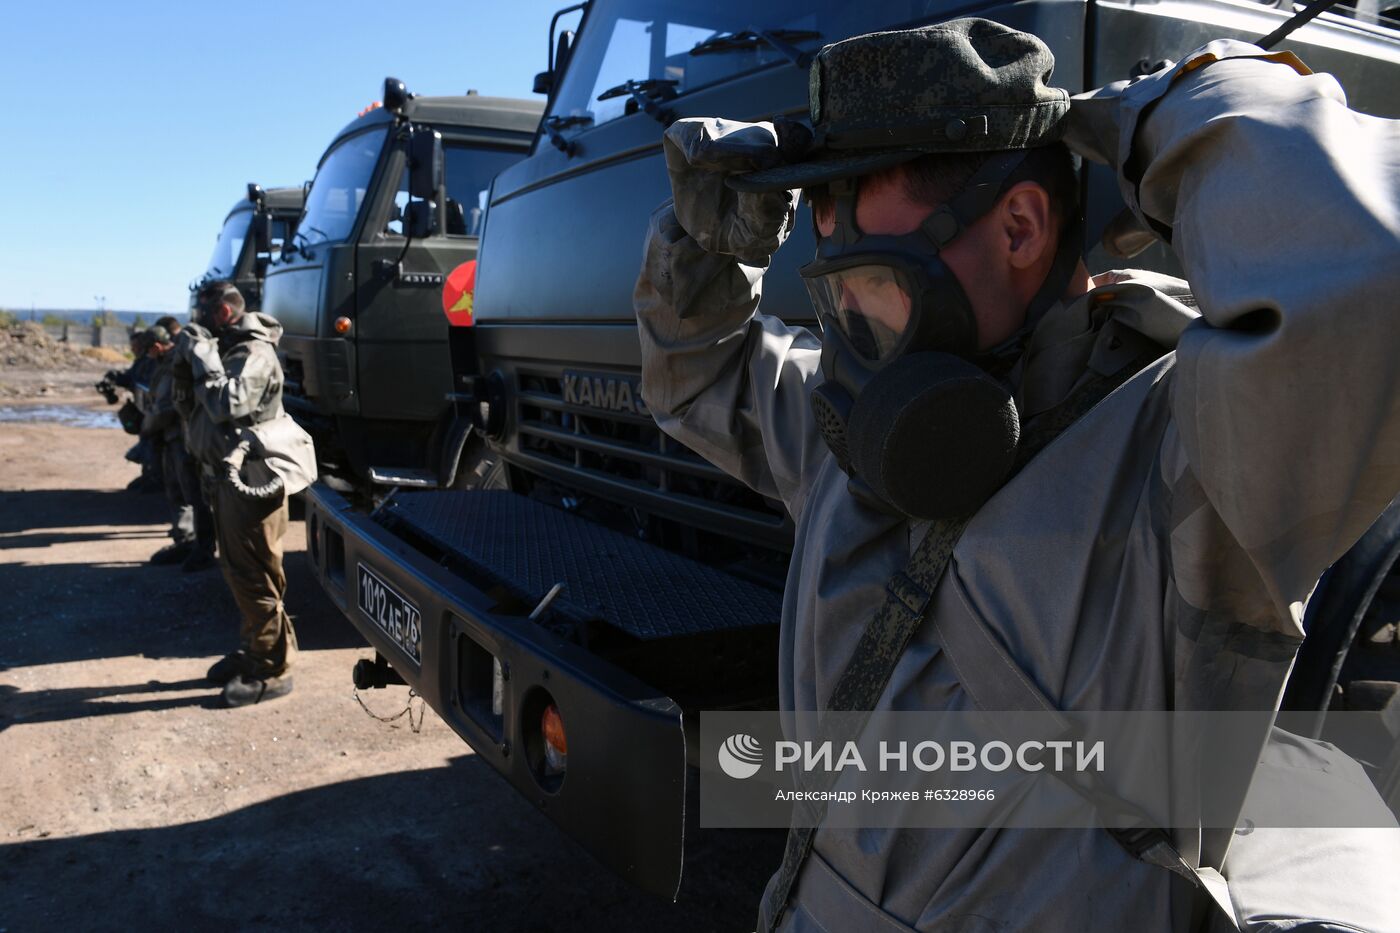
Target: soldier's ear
(1027, 223)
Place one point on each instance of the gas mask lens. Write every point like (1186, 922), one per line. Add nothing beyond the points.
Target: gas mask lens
(871, 304)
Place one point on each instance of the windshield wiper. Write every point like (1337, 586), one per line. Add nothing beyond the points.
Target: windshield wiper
(554, 126)
(647, 93)
(306, 243)
(780, 40)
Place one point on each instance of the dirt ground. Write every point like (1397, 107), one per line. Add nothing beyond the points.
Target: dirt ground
(130, 799)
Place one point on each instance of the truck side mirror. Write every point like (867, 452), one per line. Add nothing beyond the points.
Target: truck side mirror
(262, 232)
(544, 81)
(420, 219)
(562, 51)
(425, 163)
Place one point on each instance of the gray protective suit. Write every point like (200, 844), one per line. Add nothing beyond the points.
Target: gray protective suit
(1157, 555)
(161, 428)
(237, 400)
(235, 420)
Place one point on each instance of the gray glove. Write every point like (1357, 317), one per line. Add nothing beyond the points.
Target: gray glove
(701, 152)
(195, 346)
(195, 330)
(1093, 125)
(1093, 130)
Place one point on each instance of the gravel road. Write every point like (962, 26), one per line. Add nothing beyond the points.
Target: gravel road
(129, 799)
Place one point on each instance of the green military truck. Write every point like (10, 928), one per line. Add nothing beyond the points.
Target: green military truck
(397, 204)
(252, 234)
(601, 584)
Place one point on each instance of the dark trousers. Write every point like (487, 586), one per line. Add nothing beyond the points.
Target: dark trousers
(151, 464)
(250, 533)
(181, 515)
(192, 522)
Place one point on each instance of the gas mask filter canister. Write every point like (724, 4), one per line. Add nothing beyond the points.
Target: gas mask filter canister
(930, 436)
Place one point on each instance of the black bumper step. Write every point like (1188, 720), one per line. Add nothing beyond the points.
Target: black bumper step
(636, 587)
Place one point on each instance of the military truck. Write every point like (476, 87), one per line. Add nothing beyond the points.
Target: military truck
(396, 205)
(252, 234)
(601, 584)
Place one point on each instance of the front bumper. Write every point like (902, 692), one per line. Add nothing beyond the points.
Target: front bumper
(623, 794)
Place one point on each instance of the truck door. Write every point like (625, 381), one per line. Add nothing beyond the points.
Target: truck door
(401, 335)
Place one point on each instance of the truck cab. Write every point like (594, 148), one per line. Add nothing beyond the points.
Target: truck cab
(600, 584)
(253, 233)
(397, 203)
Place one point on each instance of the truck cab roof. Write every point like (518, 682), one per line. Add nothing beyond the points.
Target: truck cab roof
(502, 114)
(286, 200)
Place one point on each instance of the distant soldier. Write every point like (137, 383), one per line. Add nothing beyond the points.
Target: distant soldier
(228, 385)
(192, 523)
(137, 379)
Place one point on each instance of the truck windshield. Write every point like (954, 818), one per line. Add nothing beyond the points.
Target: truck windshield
(229, 246)
(641, 40)
(469, 171)
(339, 189)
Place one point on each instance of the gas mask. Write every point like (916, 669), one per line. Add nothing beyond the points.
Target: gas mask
(908, 407)
(208, 299)
(205, 318)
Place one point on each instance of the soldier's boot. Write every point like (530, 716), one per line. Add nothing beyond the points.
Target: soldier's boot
(228, 667)
(244, 690)
(199, 559)
(147, 483)
(172, 553)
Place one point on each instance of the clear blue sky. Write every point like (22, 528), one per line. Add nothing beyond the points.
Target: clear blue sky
(130, 128)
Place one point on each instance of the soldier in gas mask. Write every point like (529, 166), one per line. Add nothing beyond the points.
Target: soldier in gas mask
(228, 387)
(1133, 490)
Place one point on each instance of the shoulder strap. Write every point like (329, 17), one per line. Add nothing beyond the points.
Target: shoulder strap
(908, 595)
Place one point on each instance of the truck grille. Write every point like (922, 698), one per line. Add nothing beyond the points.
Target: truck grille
(609, 446)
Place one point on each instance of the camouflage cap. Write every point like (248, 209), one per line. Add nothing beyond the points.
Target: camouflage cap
(969, 85)
(158, 334)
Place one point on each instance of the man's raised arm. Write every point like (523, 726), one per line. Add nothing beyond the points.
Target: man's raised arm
(1284, 208)
(728, 382)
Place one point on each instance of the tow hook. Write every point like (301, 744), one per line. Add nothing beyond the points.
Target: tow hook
(371, 675)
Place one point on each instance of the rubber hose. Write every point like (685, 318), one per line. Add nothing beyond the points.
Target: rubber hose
(269, 490)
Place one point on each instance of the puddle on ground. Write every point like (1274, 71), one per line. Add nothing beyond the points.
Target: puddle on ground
(59, 414)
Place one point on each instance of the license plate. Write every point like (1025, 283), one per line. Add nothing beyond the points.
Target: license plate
(392, 612)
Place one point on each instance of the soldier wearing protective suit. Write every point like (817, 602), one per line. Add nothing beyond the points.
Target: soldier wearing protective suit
(192, 523)
(1202, 452)
(137, 378)
(253, 456)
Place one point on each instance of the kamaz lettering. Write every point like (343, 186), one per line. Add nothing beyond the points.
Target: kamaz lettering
(611, 393)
